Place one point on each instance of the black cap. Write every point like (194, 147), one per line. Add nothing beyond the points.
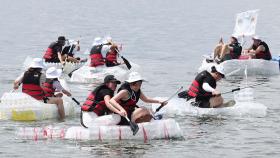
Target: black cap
(61, 38)
(111, 78)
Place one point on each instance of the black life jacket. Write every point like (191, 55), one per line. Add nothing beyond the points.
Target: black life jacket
(50, 55)
(31, 84)
(236, 52)
(196, 89)
(69, 50)
(130, 104)
(91, 104)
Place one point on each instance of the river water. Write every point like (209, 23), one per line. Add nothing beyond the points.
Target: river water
(167, 39)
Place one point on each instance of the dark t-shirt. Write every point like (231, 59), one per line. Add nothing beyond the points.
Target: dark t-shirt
(205, 77)
(102, 93)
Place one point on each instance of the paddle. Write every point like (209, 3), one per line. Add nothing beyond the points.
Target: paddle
(133, 126)
(161, 106)
(126, 62)
(81, 114)
(237, 89)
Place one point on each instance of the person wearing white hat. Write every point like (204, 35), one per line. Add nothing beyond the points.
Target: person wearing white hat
(258, 50)
(204, 88)
(53, 53)
(69, 50)
(232, 50)
(32, 79)
(96, 56)
(51, 86)
(127, 97)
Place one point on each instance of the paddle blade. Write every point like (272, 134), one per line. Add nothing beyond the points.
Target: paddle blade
(134, 127)
(81, 119)
(126, 63)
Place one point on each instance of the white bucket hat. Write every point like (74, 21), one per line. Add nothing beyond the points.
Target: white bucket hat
(97, 41)
(37, 63)
(52, 72)
(134, 76)
(234, 36)
(220, 69)
(107, 39)
(256, 37)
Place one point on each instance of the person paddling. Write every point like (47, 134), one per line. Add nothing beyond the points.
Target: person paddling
(68, 51)
(97, 103)
(258, 50)
(229, 51)
(32, 79)
(98, 52)
(204, 90)
(127, 97)
(51, 86)
(112, 56)
(54, 51)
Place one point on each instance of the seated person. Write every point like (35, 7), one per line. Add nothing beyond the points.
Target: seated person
(51, 86)
(32, 80)
(53, 53)
(259, 50)
(229, 51)
(112, 56)
(69, 50)
(127, 97)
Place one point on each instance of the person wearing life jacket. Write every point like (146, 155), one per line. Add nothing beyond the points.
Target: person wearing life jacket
(259, 50)
(51, 86)
(97, 55)
(229, 51)
(53, 53)
(204, 90)
(69, 50)
(32, 79)
(97, 103)
(112, 56)
(127, 98)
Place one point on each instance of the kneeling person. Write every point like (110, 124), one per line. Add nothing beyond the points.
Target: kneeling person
(203, 88)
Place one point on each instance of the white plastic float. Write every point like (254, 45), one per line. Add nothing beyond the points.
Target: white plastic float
(245, 106)
(257, 67)
(159, 129)
(19, 106)
(87, 74)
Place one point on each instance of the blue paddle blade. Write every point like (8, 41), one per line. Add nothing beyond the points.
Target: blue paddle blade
(158, 117)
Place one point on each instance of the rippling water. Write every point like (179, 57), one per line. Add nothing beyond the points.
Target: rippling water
(166, 38)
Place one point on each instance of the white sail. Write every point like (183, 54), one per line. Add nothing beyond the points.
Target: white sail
(245, 23)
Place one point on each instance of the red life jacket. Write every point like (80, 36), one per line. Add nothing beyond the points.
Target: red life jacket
(196, 86)
(130, 104)
(50, 55)
(48, 88)
(96, 56)
(31, 85)
(111, 57)
(99, 107)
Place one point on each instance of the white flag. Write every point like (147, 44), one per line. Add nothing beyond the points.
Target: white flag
(245, 23)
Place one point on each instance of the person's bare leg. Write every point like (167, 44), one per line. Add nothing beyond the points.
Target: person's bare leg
(59, 104)
(73, 60)
(216, 102)
(217, 50)
(225, 50)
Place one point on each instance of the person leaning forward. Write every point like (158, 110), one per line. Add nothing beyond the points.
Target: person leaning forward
(203, 88)
(127, 97)
(54, 51)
